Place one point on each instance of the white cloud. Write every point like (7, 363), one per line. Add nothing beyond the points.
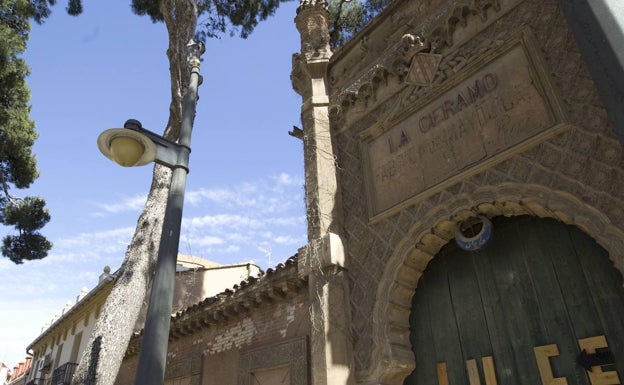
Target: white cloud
(208, 241)
(264, 249)
(285, 179)
(267, 194)
(224, 223)
(243, 195)
(287, 240)
(221, 220)
(237, 237)
(230, 249)
(266, 213)
(195, 197)
(287, 221)
(133, 203)
(91, 246)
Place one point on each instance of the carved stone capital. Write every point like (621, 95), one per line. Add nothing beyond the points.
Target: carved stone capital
(395, 63)
(309, 67)
(312, 22)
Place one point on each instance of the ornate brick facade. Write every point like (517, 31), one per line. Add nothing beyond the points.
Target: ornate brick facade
(574, 174)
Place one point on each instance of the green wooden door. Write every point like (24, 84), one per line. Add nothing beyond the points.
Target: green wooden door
(538, 283)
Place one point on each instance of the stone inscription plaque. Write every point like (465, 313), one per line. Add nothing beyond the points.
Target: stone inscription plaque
(498, 105)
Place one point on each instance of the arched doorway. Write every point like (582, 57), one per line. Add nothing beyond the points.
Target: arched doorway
(518, 311)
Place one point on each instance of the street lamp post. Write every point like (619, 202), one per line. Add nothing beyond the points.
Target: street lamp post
(134, 146)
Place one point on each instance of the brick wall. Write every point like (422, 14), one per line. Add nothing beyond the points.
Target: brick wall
(221, 344)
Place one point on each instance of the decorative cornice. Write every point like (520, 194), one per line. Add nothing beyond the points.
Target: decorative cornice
(440, 31)
(394, 62)
(420, 46)
(274, 285)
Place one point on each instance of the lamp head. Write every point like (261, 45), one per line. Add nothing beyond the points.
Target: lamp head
(127, 146)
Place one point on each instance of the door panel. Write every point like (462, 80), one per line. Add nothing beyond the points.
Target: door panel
(538, 282)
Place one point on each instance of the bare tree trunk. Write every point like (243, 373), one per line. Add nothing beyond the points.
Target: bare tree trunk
(107, 345)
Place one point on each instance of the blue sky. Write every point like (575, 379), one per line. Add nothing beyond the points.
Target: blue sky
(244, 196)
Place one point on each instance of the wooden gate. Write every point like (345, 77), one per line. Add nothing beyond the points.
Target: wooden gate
(520, 311)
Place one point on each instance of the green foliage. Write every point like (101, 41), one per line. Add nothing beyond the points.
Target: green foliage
(18, 167)
(26, 246)
(350, 16)
(27, 215)
(39, 10)
(74, 7)
(218, 17)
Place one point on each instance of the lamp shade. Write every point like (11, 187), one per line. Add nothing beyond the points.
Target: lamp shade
(127, 147)
(126, 150)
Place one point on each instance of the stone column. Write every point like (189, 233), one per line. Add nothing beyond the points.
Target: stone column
(309, 77)
(322, 260)
(331, 347)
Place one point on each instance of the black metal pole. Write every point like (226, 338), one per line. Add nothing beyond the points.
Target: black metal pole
(155, 341)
